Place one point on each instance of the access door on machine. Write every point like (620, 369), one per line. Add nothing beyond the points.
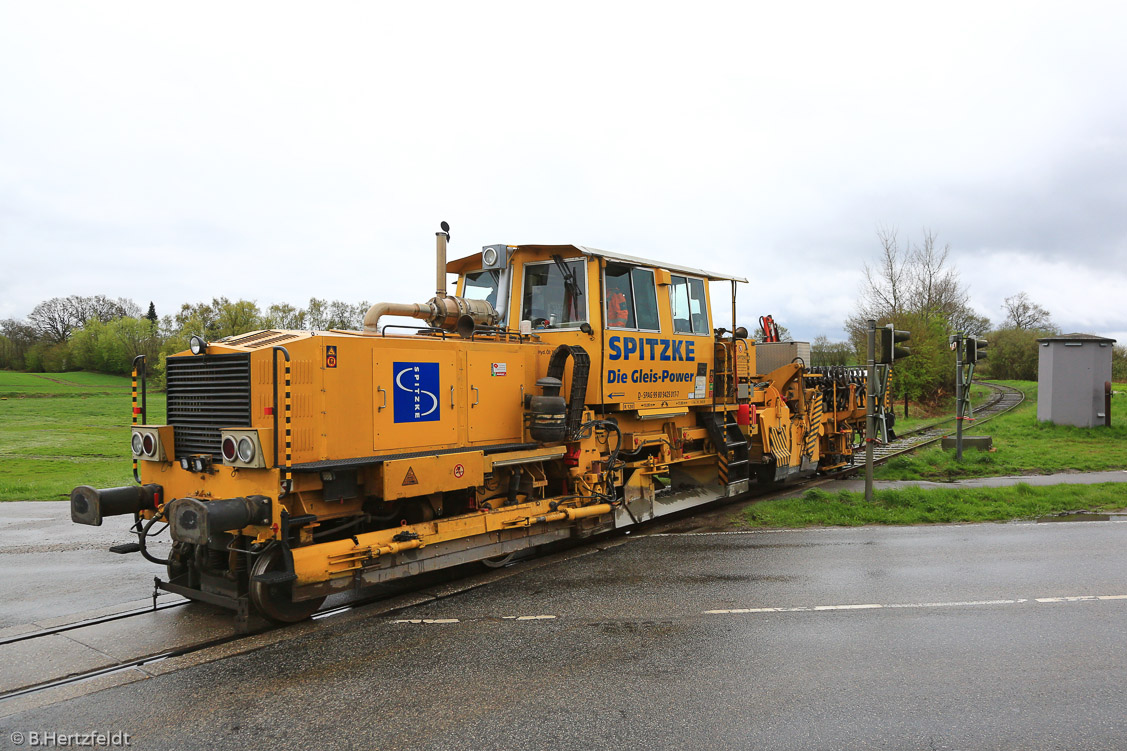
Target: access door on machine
(493, 395)
(413, 403)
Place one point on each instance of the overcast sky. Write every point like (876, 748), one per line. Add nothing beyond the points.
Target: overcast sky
(276, 152)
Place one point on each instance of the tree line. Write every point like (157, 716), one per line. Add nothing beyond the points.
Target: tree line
(105, 335)
(912, 285)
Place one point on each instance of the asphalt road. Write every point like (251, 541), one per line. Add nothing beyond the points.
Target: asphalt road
(53, 567)
(984, 638)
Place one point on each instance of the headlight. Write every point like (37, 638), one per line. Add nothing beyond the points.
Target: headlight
(135, 442)
(229, 449)
(197, 345)
(149, 443)
(246, 450)
(489, 257)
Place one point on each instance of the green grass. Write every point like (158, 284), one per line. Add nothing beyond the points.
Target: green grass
(59, 430)
(1022, 445)
(920, 506)
(60, 384)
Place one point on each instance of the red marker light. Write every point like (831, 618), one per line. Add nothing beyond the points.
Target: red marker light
(136, 410)
(269, 411)
(229, 449)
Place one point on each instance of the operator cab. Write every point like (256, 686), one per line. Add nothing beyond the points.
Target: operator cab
(562, 287)
(647, 325)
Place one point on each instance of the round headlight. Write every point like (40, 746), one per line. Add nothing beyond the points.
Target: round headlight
(149, 444)
(197, 345)
(229, 449)
(489, 256)
(246, 450)
(135, 441)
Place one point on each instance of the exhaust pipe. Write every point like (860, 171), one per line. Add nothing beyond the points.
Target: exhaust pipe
(450, 313)
(443, 311)
(90, 505)
(440, 240)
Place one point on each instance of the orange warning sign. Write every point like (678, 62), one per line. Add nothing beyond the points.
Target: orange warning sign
(410, 479)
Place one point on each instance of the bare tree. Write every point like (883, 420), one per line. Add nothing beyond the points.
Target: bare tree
(885, 284)
(914, 279)
(57, 318)
(1023, 313)
(53, 319)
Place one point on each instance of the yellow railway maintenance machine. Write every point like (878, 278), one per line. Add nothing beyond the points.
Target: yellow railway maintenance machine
(562, 392)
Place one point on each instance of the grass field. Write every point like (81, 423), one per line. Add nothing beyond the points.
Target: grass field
(59, 430)
(920, 506)
(1022, 445)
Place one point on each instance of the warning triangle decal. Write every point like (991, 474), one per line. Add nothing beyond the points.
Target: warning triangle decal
(410, 479)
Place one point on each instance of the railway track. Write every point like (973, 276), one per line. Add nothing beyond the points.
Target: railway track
(467, 573)
(1003, 400)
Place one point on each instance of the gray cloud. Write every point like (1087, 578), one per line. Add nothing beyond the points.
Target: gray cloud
(162, 154)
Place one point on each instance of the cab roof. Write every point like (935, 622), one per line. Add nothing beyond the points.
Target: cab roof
(473, 262)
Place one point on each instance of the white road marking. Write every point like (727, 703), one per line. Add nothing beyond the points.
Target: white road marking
(1082, 598)
(417, 621)
(874, 606)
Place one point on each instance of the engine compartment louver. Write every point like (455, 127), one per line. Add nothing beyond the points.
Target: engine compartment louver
(207, 393)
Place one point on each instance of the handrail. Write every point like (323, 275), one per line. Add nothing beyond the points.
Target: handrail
(143, 409)
(287, 480)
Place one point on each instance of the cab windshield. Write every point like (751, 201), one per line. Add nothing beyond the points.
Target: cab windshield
(555, 293)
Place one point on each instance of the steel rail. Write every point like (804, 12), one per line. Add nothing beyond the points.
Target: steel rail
(1005, 398)
(90, 622)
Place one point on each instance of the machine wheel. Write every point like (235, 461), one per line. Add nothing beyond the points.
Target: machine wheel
(275, 601)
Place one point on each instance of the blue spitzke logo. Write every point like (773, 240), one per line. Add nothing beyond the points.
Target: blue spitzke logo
(416, 391)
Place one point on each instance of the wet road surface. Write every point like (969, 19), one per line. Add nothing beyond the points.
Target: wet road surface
(53, 567)
(953, 637)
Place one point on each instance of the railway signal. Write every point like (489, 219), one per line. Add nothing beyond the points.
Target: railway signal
(974, 349)
(889, 347)
(968, 351)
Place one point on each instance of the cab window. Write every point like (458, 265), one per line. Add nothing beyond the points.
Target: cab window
(686, 297)
(554, 294)
(631, 298)
(482, 285)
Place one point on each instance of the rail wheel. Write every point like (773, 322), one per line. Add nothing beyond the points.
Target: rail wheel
(275, 601)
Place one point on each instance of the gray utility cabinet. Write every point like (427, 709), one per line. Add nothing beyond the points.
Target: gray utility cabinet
(1071, 372)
